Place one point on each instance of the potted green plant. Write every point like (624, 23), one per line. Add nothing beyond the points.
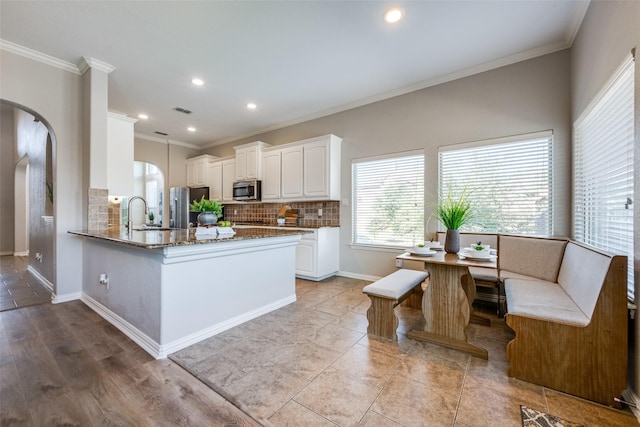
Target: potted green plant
(210, 211)
(151, 217)
(453, 213)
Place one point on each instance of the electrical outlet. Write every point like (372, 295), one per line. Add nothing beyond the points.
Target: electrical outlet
(235, 211)
(399, 263)
(104, 279)
(319, 212)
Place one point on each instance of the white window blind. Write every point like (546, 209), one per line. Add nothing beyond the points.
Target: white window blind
(508, 182)
(388, 200)
(603, 169)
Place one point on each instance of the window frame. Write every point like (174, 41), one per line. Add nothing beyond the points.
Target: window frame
(380, 246)
(499, 144)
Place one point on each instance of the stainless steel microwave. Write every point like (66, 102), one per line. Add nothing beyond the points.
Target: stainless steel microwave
(247, 190)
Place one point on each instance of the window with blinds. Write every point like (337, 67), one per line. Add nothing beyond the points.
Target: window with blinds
(388, 200)
(603, 169)
(508, 182)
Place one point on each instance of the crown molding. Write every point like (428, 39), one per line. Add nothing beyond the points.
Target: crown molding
(466, 72)
(166, 141)
(121, 116)
(87, 62)
(579, 13)
(38, 56)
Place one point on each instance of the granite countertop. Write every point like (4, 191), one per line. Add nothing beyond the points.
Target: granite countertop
(153, 238)
(273, 224)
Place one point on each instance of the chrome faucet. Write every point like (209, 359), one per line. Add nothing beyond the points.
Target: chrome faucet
(129, 221)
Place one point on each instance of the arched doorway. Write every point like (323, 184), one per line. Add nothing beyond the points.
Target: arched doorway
(28, 145)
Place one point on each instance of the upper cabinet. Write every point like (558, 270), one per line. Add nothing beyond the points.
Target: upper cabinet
(197, 170)
(322, 168)
(120, 136)
(249, 160)
(303, 170)
(228, 176)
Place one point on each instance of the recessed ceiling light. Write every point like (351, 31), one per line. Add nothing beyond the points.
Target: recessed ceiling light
(143, 116)
(251, 106)
(191, 129)
(393, 15)
(196, 81)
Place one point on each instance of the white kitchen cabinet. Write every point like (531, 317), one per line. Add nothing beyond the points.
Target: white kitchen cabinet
(197, 170)
(249, 160)
(120, 136)
(322, 168)
(317, 254)
(271, 174)
(228, 177)
(214, 180)
(292, 176)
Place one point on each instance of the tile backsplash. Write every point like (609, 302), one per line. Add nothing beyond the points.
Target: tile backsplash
(267, 212)
(98, 209)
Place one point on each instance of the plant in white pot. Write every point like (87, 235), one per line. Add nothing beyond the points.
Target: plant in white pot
(210, 211)
(453, 214)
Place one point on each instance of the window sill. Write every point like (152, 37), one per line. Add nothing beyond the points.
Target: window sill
(378, 248)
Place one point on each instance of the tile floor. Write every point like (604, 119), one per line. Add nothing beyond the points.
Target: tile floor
(18, 287)
(312, 363)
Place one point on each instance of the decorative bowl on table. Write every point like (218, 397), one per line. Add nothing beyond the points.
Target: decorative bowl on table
(422, 250)
(433, 245)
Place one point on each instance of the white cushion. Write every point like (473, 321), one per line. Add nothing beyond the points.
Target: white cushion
(542, 300)
(397, 283)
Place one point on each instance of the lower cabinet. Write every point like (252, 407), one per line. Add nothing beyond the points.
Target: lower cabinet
(317, 255)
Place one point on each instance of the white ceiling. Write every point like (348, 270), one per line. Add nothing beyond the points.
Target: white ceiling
(295, 59)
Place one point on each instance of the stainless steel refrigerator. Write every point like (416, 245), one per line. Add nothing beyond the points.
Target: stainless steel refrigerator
(180, 198)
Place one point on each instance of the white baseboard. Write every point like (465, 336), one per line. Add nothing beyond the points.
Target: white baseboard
(58, 299)
(46, 283)
(358, 276)
(21, 253)
(162, 351)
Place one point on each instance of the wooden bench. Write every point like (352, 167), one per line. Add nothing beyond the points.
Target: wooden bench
(567, 304)
(385, 294)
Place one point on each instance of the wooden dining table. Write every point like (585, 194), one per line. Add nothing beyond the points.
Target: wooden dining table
(447, 299)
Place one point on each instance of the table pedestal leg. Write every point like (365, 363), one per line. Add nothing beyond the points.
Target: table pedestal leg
(447, 310)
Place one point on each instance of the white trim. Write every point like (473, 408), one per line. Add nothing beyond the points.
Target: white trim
(495, 141)
(46, 283)
(38, 56)
(26, 253)
(121, 116)
(627, 62)
(87, 62)
(162, 351)
(6, 253)
(465, 72)
(58, 299)
(358, 276)
(393, 155)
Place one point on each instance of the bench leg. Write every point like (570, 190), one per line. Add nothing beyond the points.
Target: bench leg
(382, 319)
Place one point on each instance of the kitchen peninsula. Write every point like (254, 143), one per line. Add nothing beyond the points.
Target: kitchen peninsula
(168, 289)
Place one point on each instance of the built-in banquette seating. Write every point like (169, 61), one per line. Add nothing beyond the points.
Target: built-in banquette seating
(567, 304)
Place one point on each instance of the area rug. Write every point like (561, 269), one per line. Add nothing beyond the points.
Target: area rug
(533, 418)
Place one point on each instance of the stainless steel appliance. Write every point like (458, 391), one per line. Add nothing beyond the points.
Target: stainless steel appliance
(247, 190)
(180, 198)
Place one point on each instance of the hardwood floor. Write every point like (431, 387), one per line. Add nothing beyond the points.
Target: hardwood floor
(64, 365)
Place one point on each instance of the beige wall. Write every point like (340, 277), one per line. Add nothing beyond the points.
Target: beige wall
(56, 96)
(526, 97)
(171, 159)
(609, 32)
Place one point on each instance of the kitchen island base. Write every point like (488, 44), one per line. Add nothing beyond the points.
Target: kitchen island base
(171, 297)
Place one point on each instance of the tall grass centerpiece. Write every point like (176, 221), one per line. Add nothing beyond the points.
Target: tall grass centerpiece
(453, 213)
